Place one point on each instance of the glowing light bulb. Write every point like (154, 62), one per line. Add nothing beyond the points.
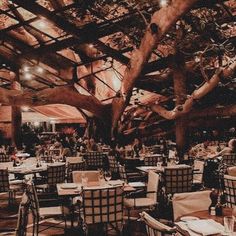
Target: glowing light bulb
(163, 3)
(39, 69)
(28, 76)
(26, 69)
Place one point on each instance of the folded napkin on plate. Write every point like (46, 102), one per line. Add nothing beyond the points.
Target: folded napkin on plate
(205, 227)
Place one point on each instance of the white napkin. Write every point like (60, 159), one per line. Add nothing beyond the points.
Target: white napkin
(205, 227)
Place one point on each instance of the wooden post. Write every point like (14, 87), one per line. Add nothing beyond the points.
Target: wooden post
(16, 118)
(180, 92)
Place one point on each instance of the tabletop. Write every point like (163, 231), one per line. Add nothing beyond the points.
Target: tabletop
(205, 215)
(74, 189)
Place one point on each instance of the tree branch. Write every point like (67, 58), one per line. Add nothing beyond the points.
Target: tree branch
(161, 22)
(197, 94)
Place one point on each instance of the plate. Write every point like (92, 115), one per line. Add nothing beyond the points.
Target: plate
(69, 186)
(188, 218)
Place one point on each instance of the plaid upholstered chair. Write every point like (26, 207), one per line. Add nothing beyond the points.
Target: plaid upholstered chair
(94, 160)
(155, 227)
(4, 157)
(7, 186)
(178, 179)
(40, 214)
(56, 173)
(103, 206)
(230, 190)
(230, 159)
(73, 166)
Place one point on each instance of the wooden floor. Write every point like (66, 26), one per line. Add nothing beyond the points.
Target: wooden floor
(8, 220)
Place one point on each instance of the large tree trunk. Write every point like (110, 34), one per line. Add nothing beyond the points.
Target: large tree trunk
(180, 92)
(16, 118)
(161, 22)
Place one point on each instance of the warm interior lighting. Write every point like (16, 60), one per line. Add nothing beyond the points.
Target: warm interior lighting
(27, 76)
(25, 108)
(39, 69)
(26, 69)
(164, 3)
(36, 123)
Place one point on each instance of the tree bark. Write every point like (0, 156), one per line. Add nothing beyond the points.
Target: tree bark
(161, 22)
(59, 95)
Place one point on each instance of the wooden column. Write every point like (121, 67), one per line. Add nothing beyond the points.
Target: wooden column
(180, 92)
(16, 118)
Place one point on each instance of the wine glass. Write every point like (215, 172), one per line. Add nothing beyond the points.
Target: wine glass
(107, 176)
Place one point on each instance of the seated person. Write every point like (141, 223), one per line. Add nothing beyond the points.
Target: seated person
(227, 150)
(92, 146)
(137, 147)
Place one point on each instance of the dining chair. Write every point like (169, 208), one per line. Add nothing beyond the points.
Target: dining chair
(129, 176)
(10, 187)
(40, 214)
(198, 169)
(155, 227)
(186, 203)
(152, 160)
(113, 166)
(47, 158)
(22, 218)
(178, 179)
(55, 174)
(4, 157)
(231, 170)
(73, 166)
(91, 175)
(230, 190)
(94, 160)
(55, 152)
(149, 200)
(103, 206)
(229, 159)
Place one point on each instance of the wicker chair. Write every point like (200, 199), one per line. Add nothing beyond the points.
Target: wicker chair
(231, 170)
(230, 190)
(40, 214)
(47, 159)
(155, 227)
(91, 175)
(103, 206)
(178, 179)
(4, 157)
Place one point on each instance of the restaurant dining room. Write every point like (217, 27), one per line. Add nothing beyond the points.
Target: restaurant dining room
(117, 117)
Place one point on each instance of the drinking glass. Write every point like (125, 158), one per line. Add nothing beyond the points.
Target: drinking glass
(107, 175)
(229, 224)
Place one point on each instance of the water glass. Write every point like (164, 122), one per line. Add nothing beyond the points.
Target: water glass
(229, 224)
(107, 176)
